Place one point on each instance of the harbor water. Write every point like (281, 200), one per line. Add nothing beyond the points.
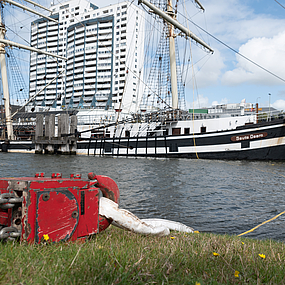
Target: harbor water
(209, 195)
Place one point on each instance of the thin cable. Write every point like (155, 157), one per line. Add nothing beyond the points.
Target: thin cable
(279, 4)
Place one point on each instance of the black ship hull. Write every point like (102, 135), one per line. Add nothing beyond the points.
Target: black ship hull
(252, 142)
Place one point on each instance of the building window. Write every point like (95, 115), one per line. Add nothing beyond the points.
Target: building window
(203, 129)
(186, 131)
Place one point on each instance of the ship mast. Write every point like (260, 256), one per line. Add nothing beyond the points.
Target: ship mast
(169, 17)
(5, 82)
(173, 74)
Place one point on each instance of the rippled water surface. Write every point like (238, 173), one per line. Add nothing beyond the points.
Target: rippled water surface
(211, 196)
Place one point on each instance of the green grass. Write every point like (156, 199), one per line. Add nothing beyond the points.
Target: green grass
(119, 257)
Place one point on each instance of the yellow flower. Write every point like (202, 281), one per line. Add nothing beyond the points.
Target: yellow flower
(172, 237)
(215, 254)
(196, 232)
(46, 237)
(197, 283)
(262, 255)
(236, 273)
(242, 242)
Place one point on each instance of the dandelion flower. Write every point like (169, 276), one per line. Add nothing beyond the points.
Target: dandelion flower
(172, 237)
(197, 283)
(46, 237)
(215, 254)
(196, 232)
(236, 273)
(262, 255)
(242, 242)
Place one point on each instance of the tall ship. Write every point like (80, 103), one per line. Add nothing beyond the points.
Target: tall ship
(159, 125)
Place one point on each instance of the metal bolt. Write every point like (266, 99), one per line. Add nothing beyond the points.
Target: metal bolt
(46, 197)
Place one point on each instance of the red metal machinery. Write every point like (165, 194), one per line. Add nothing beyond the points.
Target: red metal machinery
(60, 209)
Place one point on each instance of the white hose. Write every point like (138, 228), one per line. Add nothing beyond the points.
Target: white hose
(128, 221)
(174, 226)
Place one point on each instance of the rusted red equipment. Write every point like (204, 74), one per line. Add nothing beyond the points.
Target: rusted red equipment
(56, 208)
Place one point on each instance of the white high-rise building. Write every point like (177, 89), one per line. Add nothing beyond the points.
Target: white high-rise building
(104, 48)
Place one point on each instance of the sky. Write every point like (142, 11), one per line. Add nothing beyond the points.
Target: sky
(253, 28)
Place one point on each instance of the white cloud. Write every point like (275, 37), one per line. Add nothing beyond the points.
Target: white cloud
(279, 104)
(223, 101)
(268, 53)
(260, 37)
(200, 102)
(203, 102)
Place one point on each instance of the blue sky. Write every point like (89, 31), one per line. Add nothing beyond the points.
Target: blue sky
(255, 28)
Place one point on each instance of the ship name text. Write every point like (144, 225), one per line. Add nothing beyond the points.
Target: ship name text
(248, 137)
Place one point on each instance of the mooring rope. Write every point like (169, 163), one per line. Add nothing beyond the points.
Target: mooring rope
(262, 224)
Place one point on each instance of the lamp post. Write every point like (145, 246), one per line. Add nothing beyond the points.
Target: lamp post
(269, 107)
